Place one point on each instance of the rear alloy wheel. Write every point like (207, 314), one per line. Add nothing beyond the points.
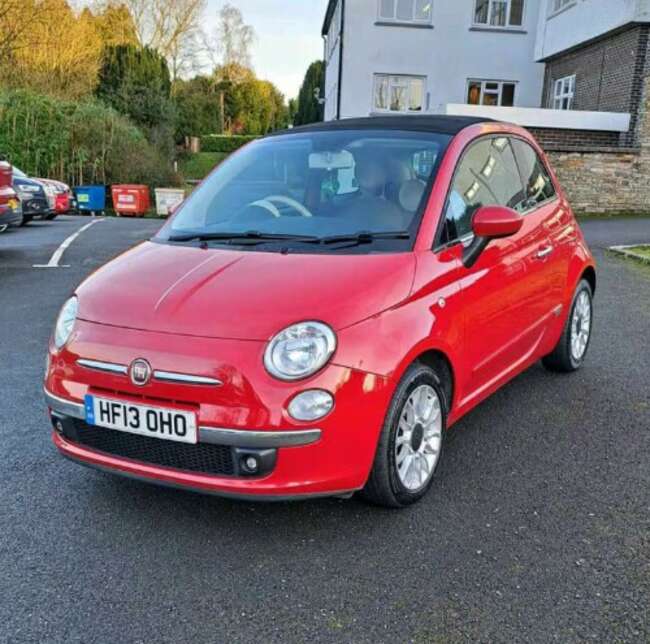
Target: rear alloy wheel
(570, 353)
(411, 442)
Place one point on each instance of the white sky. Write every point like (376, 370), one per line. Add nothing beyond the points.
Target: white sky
(288, 37)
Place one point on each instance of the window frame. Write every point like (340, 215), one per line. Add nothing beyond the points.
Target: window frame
(399, 21)
(483, 82)
(542, 161)
(376, 79)
(507, 26)
(438, 245)
(558, 6)
(562, 95)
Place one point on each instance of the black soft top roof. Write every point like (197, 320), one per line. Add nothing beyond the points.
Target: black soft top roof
(434, 124)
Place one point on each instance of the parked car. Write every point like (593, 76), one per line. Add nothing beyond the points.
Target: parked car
(33, 197)
(62, 198)
(10, 208)
(322, 309)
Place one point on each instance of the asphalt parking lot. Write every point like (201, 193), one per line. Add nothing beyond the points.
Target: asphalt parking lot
(537, 529)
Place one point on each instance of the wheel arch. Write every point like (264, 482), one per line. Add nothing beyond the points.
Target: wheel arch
(589, 274)
(442, 365)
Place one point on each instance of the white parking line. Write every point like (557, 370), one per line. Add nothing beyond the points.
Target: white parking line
(58, 253)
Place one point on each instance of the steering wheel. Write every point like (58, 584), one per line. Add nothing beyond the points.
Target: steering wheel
(268, 203)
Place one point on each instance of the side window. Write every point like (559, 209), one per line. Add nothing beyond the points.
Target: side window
(487, 175)
(537, 182)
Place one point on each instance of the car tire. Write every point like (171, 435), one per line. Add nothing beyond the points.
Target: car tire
(51, 216)
(393, 482)
(26, 220)
(571, 351)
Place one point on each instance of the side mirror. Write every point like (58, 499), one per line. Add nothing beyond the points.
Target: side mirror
(488, 223)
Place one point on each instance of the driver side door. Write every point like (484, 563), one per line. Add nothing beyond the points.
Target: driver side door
(492, 290)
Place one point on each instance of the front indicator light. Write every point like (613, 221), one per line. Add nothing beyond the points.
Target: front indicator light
(311, 405)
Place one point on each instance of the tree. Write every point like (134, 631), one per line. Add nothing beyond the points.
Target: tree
(292, 110)
(234, 37)
(309, 107)
(16, 18)
(115, 25)
(172, 27)
(59, 54)
(197, 106)
(135, 81)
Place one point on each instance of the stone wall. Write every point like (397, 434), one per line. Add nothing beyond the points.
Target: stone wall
(608, 179)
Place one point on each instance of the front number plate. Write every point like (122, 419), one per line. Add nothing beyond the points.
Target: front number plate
(155, 422)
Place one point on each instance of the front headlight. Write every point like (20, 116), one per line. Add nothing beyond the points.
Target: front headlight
(65, 322)
(300, 350)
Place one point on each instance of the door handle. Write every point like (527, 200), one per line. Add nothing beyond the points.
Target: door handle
(544, 252)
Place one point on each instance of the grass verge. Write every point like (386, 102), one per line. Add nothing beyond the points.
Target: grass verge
(197, 166)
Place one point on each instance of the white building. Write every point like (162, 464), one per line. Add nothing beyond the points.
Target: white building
(415, 56)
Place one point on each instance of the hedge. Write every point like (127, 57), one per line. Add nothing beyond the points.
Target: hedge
(224, 143)
(77, 142)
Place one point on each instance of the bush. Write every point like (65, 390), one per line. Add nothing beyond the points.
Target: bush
(224, 143)
(82, 142)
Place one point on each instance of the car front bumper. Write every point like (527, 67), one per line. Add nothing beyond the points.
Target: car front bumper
(36, 207)
(330, 457)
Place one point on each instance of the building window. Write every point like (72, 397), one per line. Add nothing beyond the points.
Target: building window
(417, 11)
(564, 90)
(558, 5)
(399, 93)
(499, 13)
(486, 92)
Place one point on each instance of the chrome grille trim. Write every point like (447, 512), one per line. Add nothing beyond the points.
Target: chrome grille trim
(184, 378)
(108, 367)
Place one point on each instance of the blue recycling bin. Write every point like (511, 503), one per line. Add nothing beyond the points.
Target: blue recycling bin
(90, 198)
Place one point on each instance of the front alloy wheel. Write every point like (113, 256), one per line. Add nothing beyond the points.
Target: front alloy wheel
(419, 438)
(411, 442)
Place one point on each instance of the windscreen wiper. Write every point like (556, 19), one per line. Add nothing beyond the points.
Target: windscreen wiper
(249, 235)
(365, 237)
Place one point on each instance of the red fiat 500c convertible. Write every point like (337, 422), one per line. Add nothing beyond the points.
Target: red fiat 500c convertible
(321, 309)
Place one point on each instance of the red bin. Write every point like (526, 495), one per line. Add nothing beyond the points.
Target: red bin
(130, 200)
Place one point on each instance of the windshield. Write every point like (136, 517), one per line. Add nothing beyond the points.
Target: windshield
(361, 189)
(19, 173)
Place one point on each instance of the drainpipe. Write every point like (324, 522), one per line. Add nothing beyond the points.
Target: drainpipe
(338, 98)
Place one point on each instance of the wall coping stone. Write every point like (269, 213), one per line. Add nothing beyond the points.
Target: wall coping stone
(592, 149)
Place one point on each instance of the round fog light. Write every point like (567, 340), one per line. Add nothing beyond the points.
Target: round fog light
(251, 463)
(311, 405)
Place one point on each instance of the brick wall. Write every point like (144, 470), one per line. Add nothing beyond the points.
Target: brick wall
(609, 74)
(609, 180)
(555, 139)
